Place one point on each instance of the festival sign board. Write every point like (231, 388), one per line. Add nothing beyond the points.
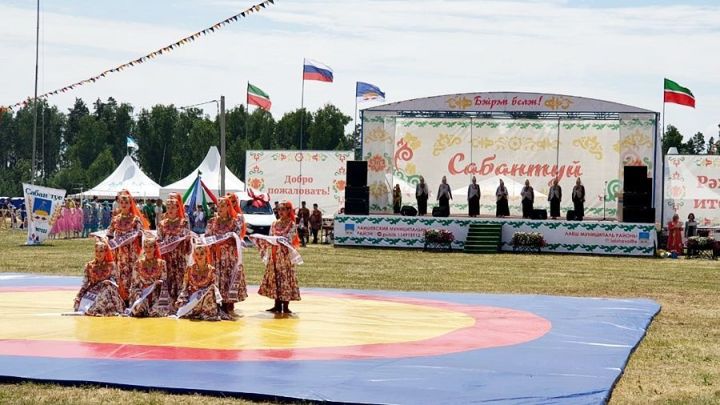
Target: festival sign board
(43, 206)
(692, 185)
(317, 177)
(586, 237)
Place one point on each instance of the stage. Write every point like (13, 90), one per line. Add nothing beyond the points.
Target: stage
(583, 237)
(341, 346)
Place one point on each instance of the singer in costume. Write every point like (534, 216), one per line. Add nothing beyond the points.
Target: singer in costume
(444, 194)
(174, 236)
(99, 294)
(555, 197)
(125, 231)
(527, 195)
(422, 193)
(473, 196)
(578, 199)
(501, 201)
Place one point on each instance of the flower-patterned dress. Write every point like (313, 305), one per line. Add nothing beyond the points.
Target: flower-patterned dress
(169, 231)
(144, 280)
(226, 260)
(200, 287)
(280, 279)
(99, 294)
(121, 226)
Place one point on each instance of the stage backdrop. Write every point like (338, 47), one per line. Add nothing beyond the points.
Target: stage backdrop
(317, 177)
(692, 184)
(400, 150)
(43, 209)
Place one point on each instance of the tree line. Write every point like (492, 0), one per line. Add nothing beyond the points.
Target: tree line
(78, 149)
(695, 145)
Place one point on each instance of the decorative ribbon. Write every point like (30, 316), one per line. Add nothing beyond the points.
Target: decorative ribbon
(89, 298)
(195, 299)
(258, 200)
(171, 243)
(263, 242)
(145, 293)
(235, 273)
(122, 240)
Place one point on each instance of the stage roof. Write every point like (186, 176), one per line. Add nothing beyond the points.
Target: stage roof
(508, 102)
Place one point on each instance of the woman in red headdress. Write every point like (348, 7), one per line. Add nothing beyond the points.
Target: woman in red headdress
(199, 296)
(173, 233)
(125, 231)
(280, 279)
(148, 289)
(99, 294)
(227, 255)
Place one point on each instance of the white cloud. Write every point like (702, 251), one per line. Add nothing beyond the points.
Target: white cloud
(409, 48)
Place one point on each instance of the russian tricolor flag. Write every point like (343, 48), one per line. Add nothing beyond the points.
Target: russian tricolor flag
(314, 70)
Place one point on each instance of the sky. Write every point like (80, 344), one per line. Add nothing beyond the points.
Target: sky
(611, 50)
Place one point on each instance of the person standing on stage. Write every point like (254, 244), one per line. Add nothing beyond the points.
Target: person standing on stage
(280, 278)
(690, 226)
(422, 192)
(397, 199)
(501, 201)
(303, 221)
(578, 199)
(473, 198)
(173, 232)
(527, 196)
(444, 194)
(555, 196)
(675, 229)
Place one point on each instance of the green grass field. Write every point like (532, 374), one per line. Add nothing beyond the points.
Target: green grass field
(677, 362)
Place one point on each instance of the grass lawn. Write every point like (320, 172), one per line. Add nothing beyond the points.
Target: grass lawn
(677, 362)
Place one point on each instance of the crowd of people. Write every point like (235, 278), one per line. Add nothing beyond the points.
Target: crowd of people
(12, 216)
(309, 223)
(678, 233)
(176, 272)
(527, 196)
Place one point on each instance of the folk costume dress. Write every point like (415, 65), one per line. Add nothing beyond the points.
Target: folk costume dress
(147, 297)
(555, 196)
(675, 243)
(200, 297)
(227, 259)
(99, 294)
(174, 238)
(280, 279)
(126, 231)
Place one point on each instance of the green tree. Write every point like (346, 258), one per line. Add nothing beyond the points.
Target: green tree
(696, 144)
(90, 142)
(72, 128)
(156, 137)
(102, 167)
(51, 124)
(71, 177)
(327, 130)
(287, 130)
(672, 138)
(711, 147)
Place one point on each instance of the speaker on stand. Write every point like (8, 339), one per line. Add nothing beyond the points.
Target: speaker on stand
(637, 195)
(357, 193)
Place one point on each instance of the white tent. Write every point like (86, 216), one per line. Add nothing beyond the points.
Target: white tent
(210, 169)
(127, 176)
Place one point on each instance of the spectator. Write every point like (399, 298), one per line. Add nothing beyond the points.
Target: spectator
(315, 222)
(198, 221)
(159, 209)
(303, 220)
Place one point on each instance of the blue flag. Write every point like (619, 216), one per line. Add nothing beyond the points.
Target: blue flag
(367, 92)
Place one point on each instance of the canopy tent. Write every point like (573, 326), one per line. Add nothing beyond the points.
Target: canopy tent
(127, 176)
(209, 169)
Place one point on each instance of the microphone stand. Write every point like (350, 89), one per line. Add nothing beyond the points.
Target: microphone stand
(604, 200)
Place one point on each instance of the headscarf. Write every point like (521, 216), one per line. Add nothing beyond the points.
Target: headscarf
(288, 206)
(108, 258)
(181, 206)
(134, 209)
(149, 239)
(235, 204)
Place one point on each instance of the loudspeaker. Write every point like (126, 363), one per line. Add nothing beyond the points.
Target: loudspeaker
(539, 214)
(634, 175)
(639, 215)
(571, 215)
(637, 200)
(357, 192)
(441, 211)
(357, 206)
(408, 211)
(357, 173)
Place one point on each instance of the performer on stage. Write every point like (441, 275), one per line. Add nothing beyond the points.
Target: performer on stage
(690, 226)
(200, 297)
(239, 216)
(280, 279)
(473, 197)
(125, 231)
(226, 255)
(444, 194)
(397, 199)
(501, 201)
(174, 235)
(675, 229)
(422, 193)
(555, 196)
(578, 199)
(527, 195)
(148, 290)
(99, 294)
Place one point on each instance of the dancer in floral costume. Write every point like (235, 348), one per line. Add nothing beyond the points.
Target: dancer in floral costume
(280, 279)
(239, 217)
(99, 294)
(227, 254)
(148, 289)
(174, 237)
(200, 297)
(125, 231)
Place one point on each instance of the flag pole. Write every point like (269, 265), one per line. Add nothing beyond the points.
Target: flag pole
(35, 107)
(662, 158)
(355, 120)
(247, 112)
(302, 104)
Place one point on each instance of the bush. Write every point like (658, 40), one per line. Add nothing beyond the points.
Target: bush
(528, 239)
(438, 236)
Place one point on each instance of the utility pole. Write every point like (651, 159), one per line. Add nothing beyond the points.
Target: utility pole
(222, 145)
(35, 107)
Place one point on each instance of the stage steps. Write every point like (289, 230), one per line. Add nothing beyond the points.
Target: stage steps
(483, 238)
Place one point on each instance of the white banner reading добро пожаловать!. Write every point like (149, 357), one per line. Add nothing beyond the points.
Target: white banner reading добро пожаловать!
(43, 206)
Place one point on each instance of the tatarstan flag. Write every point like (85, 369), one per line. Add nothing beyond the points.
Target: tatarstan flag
(256, 96)
(674, 93)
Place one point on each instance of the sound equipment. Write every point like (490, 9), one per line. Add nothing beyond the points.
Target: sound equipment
(408, 211)
(441, 211)
(539, 214)
(642, 215)
(571, 215)
(357, 173)
(635, 175)
(637, 195)
(357, 192)
(357, 206)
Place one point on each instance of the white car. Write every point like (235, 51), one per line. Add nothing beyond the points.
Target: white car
(258, 219)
